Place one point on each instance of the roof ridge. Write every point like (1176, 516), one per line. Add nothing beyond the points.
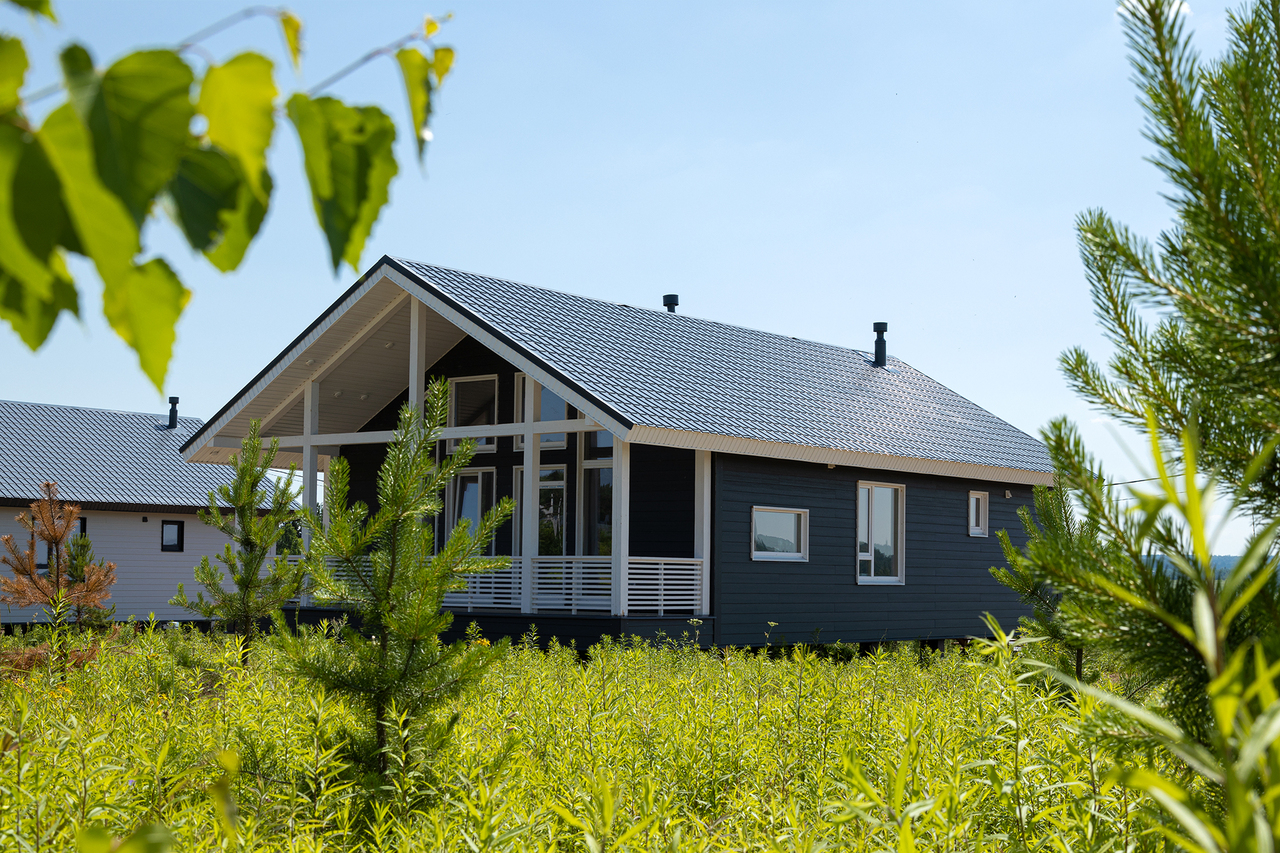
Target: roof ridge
(674, 314)
(163, 415)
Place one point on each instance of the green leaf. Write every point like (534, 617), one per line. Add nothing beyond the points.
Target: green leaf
(140, 120)
(239, 226)
(148, 839)
(81, 78)
(34, 285)
(13, 71)
(350, 164)
(206, 187)
(416, 71)
(442, 63)
(37, 7)
(141, 303)
(93, 839)
(292, 28)
(238, 99)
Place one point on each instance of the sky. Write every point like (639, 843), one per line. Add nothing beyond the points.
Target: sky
(807, 169)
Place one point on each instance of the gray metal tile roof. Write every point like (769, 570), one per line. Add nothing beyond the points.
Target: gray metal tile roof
(101, 457)
(681, 372)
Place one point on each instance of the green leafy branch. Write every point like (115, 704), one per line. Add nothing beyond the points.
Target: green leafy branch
(121, 148)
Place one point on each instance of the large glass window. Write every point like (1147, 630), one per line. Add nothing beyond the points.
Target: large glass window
(548, 407)
(779, 534)
(597, 512)
(472, 497)
(550, 512)
(473, 401)
(880, 534)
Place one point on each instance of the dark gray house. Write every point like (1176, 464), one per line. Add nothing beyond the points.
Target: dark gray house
(672, 467)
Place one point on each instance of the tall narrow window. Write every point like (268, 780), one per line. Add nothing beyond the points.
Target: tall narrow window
(171, 535)
(473, 401)
(978, 513)
(597, 512)
(550, 513)
(880, 533)
(779, 534)
(548, 406)
(84, 526)
(472, 497)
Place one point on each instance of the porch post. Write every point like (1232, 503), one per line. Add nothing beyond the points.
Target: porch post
(310, 457)
(621, 534)
(702, 523)
(417, 353)
(529, 496)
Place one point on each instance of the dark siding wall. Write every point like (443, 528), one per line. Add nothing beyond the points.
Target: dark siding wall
(947, 588)
(661, 502)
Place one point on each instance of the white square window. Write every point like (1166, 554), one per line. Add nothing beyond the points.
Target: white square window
(978, 513)
(473, 401)
(779, 534)
(881, 539)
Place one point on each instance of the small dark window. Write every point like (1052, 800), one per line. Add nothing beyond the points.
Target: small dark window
(84, 526)
(171, 535)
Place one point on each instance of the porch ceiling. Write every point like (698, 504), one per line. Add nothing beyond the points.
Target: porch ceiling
(361, 359)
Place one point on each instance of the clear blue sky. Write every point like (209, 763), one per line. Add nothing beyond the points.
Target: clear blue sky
(805, 169)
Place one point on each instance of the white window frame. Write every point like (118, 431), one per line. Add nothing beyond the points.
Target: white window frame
(981, 528)
(489, 445)
(518, 442)
(517, 491)
(777, 556)
(451, 499)
(900, 550)
(580, 510)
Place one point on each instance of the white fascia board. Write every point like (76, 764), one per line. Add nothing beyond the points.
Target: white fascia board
(501, 348)
(851, 458)
(270, 376)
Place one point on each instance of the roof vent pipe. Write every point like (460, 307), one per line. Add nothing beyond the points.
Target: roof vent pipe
(881, 357)
(670, 301)
(173, 413)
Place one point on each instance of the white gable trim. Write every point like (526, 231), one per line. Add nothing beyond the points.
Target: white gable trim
(851, 458)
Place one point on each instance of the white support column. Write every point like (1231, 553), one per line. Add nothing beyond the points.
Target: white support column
(621, 523)
(417, 353)
(310, 456)
(702, 522)
(529, 496)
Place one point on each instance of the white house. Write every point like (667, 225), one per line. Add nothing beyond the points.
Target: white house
(138, 498)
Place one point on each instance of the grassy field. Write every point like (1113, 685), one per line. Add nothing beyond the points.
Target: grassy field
(636, 746)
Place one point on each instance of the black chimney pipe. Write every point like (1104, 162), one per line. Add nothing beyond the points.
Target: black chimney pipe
(881, 357)
(173, 413)
(670, 301)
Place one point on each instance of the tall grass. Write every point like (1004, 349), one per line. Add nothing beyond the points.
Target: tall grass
(637, 746)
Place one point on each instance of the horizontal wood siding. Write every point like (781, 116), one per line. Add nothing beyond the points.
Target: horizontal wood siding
(661, 502)
(948, 586)
(146, 577)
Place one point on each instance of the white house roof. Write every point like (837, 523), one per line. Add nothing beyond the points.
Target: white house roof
(648, 376)
(100, 458)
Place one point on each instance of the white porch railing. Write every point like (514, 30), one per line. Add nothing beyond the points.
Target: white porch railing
(498, 590)
(572, 583)
(664, 584)
(655, 586)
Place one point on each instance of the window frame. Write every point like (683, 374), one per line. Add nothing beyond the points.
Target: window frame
(451, 500)
(517, 441)
(983, 529)
(801, 556)
(517, 517)
(483, 445)
(181, 546)
(900, 547)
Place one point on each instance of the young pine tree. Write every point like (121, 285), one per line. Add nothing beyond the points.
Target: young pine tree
(70, 583)
(257, 510)
(386, 567)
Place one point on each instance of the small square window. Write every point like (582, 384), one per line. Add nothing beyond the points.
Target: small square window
(171, 535)
(779, 534)
(978, 513)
